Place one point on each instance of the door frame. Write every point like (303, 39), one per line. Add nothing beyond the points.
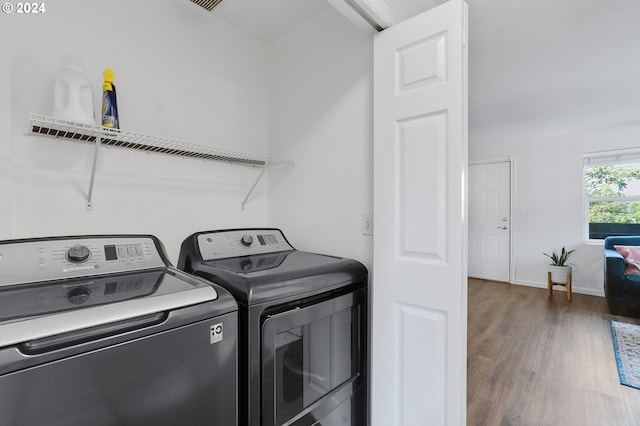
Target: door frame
(512, 217)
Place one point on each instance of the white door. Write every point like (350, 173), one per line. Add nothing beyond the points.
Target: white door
(489, 220)
(419, 287)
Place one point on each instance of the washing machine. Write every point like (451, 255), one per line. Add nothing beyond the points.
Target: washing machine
(302, 326)
(101, 330)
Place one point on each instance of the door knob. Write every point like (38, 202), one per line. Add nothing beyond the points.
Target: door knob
(502, 227)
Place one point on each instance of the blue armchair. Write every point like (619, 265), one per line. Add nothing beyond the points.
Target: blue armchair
(620, 290)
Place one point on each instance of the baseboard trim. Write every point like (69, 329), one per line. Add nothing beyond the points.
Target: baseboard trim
(574, 288)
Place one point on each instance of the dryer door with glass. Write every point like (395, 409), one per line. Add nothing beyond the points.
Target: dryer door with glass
(313, 361)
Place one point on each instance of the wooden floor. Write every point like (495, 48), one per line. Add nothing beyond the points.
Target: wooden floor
(534, 360)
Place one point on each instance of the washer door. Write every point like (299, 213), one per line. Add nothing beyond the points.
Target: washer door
(313, 360)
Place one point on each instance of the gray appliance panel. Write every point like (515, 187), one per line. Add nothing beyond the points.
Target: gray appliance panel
(241, 242)
(175, 377)
(29, 261)
(21, 303)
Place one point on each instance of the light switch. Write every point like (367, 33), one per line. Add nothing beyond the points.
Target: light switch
(367, 224)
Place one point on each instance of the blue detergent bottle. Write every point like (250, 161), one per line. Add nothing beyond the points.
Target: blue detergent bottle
(109, 101)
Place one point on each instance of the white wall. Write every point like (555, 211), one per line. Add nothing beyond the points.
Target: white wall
(6, 199)
(320, 106)
(180, 73)
(548, 184)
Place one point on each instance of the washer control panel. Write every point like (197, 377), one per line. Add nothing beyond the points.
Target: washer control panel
(241, 242)
(29, 261)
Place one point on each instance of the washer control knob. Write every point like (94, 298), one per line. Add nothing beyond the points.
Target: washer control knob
(78, 295)
(78, 254)
(247, 240)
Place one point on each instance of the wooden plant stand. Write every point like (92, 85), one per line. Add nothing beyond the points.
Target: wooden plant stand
(550, 285)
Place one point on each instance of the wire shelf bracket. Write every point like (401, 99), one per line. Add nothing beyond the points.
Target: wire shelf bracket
(101, 136)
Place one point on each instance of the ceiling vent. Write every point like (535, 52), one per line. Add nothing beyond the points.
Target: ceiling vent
(207, 4)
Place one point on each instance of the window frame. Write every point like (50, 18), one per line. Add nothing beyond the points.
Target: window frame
(602, 158)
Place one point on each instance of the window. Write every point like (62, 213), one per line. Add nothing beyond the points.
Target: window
(612, 193)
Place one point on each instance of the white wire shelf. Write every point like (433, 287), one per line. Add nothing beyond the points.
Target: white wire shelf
(51, 126)
(102, 136)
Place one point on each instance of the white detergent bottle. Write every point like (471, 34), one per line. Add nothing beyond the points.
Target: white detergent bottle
(72, 94)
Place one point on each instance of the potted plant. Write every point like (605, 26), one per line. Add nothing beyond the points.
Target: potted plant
(559, 271)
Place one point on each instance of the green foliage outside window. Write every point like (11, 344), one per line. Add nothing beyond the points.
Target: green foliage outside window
(611, 181)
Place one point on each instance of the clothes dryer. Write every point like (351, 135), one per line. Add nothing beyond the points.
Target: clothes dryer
(302, 326)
